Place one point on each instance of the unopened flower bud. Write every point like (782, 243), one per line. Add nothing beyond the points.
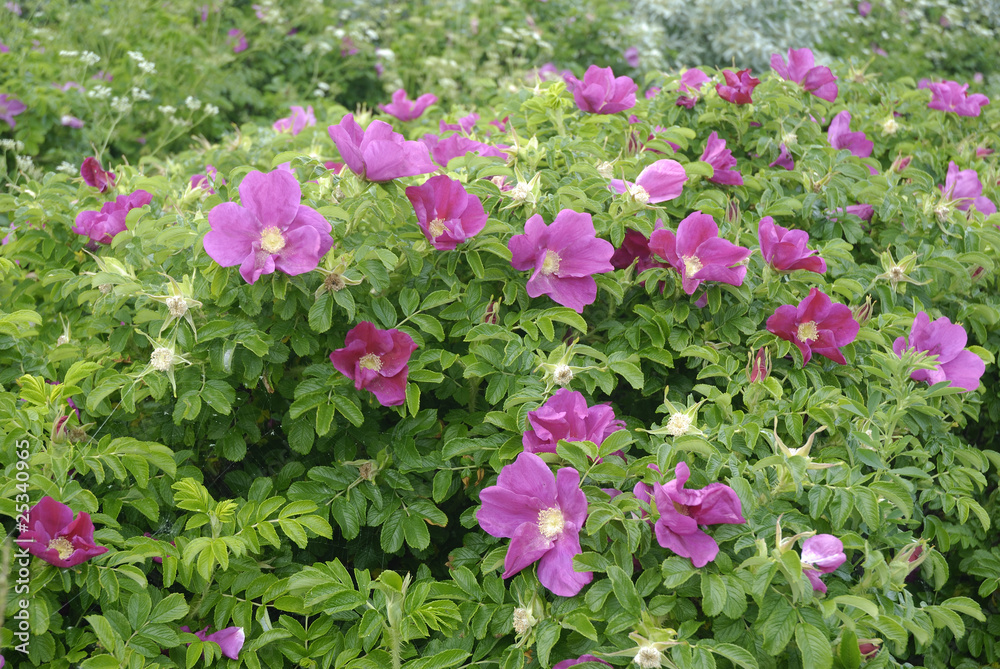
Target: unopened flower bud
(900, 164)
(863, 312)
(491, 315)
(59, 434)
(760, 365)
(868, 648)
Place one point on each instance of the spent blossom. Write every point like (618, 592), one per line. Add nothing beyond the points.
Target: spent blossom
(785, 250)
(816, 325)
(378, 153)
(738, 87)
(446, 213)
(600, 92)
(564, 257)
(376, 360)
(405, 109)
(270, 230)
(566, 416)
(821, 554)
(542, 515)
(958, 366)
(699, 254)
(802, 69)
(660, 182)
(56, 537)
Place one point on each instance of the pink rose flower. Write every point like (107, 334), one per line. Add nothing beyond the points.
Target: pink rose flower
(405, 109)
(379, 153)
(56, 537)
(738, 87)
(785, 250)
(377, 361)
(94, 175)
(697, 252)
(960, 367)
(802, 69)
(566, 416)
(102, 226)
(660, 182)
(821, 554)
(722, 161)
(601, 93)
(690, 87)
(816, 325)
(446, 213)
(297, 122)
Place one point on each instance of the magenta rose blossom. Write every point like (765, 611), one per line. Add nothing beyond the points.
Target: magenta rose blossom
(697, 252)
(94, 175)
(379, 153)
(722, 161)
(566, 416)
(635, 247)
(467, 123)
(405, 109)
(237, 39)
(297, 122)
(270, 231)
(662, 181)
(682, 511)
(964, 187)
(566, 664)
(951, 96)
(738, 87)
(54, 536)
(815, 326)
(821, 554)
(784, 159)
(377, 361)
(601, 93)
(542, 515)
(632, 56)
(102, 226)
(785, 250)
(946, 340)
(206, 180)
(841, 137)
(446, 213)
(690, 87)
(564, 257)
(454, 146)
(11, 107)
(230, 639)
(802, 69)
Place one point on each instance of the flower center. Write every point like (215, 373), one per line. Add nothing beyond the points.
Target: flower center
(682, 509)
(691, 265)
(807, 332)
(523, 620)
(640, 195)
(162, 359)
(436, 228)
(550, 522)
(271, 240)
(177, 306)
(562, 375)
(63, 546)
(551, 263)
(679, 424)
(370, 361)
(648, 657)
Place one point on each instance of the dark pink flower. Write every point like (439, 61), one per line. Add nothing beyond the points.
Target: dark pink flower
(815, 326)
(454, 146)
(447, 214)
(632, 56)
(101, 226)
(690, 87)
(94, 175)
(760, 366)
(802, 69)
(868, 650)
(841, 137)
(237, 39)
(566, 664)
(697, 252)
(377, 361)
(951, 96)
(564, 257)
(634, 247)
(722, 161)
(566, 416)
(785, 250)
(379, 153)
(660, 182)
(982, 151)
(271, 230)
(297, 122)
(466, 124)
(738, 87)
(821, 554)
(784, 159)
(682, 511)
(405, 109)
(542, 515)
(601, 93)
(964, 187)
(946, 340)
(230, 639)
(9, 108)
(54, 536)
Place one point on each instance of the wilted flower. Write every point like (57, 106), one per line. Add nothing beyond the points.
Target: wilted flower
(542, 514)
(447, 214)
(697, 252)
(405, 109)
(564, 257)
(738, 87)
(816, 325)
(230, 639)
(376, 360)
(379, 153)
(690, 87)
(54, 536)
(785, 250)
(297, 122)
(821, 554)
(963, 189)
(946, 340)
(601, 93)
(9, 108)
(566, 416)
(270, 230)
(682, 511)
(660, 182)
(101, 226)
(722, 161)
(94, 175)
(951, 96)
(802, 69)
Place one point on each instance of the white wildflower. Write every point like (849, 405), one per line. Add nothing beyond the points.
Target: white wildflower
(192, 103)
(90, 58)
(679, 424)
(99, 92)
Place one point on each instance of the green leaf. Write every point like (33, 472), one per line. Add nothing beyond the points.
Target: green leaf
(624, 590)
(814, 646)
(170, 608)
(442, 660)
(321, 313)
(735, 654)
(849, 651)
(546, 635)
(714, 594)
(859, 603)
(580, 622)
(778, 628)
